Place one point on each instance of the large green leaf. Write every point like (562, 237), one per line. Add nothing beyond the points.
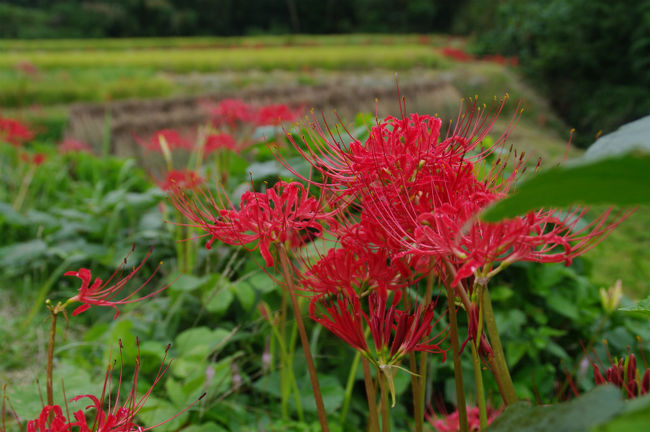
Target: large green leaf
(581, 414)
(642, 308)
(620, 181)
(614, 170)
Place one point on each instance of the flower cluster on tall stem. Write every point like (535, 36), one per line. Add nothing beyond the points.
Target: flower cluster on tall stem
(111, 411)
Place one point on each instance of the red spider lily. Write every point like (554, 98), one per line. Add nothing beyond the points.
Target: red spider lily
(110, 415)
(171, 138)
(284, 213)
(425, 193)
(394, 332)
(276, 115)
(214, 142)
(14, 132)
(183, 179)
(358, 267)
(36, 159)
(101, 293)
(450, 422)
(457, 54)
(71, 145)
(230, 113)
(624, 375)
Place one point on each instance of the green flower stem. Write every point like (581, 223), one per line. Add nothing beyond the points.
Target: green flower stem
(288, 278)
(461, 405)
(349, 386)
(50, 357)
(24, 187)
(385, 418)
(501, 367)
(416, 390)
(422, 378)
(478, 379)
(371, 395)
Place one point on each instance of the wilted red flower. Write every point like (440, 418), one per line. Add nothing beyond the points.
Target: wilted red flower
(283, 213)
(170, 137)
(71, 145)
(101, 293)
(219, 141)
(183, 179)
(275, 115)
(110, 414)
(14, 132)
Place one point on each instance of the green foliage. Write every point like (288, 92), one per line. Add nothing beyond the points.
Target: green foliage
(581, 414)
(616, 181)
(590, 57)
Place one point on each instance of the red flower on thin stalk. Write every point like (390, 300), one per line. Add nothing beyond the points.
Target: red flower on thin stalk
(284, 213)
(165, 137)
(36, 159)
(219, 141)
(183, 179)
(450, 422)
(109, 414)
(71, 145)
(14, 132)
(230, 113)
(100, 293)
(275, 115)
(394, 332)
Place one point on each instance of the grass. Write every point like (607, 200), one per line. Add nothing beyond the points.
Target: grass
(101, 70)
(214, 42)
(403, 56)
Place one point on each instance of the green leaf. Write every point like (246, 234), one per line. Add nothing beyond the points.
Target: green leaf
(581, 414)
(619, 181)
(158, 411)
(635, 417)
(205, 427)
(185, 283)
(245, 294)
(641, 308)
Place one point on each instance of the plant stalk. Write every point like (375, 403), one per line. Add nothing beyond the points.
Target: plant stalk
(461, 405)
(288, 277)
(509, 395)
(373, 418)
(385, 418)
(50, 358)
(478, 379)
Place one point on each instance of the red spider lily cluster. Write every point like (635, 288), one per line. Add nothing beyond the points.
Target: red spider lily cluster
(234, 113)
(459, 55)
(33, 159)
(423, 191)
(625, 375)
(14, 132)
(183, 179)
(399, 206)
(107, 413)
(71, 145)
